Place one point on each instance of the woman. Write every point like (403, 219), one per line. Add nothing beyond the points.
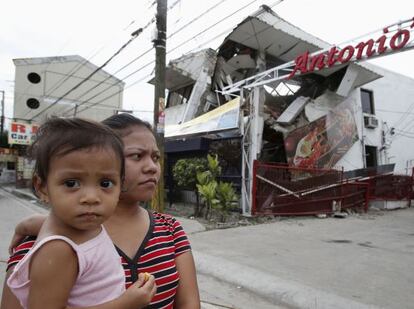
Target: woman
(147, 242)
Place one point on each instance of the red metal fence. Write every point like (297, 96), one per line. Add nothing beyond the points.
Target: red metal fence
(287, 190)
(390, 187)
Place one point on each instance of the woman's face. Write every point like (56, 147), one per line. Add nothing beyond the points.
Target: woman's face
(142, 165)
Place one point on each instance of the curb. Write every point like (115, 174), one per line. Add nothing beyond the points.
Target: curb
(279, 291)
(22, 194)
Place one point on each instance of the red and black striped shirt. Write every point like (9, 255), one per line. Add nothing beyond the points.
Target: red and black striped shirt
(165, 240)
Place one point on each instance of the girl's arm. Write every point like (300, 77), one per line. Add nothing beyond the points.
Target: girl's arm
(53, 273)
(187, 296)
(29, 226)
(8, 299)
(137, 296)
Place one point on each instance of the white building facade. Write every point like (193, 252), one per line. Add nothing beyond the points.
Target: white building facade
(64, 86)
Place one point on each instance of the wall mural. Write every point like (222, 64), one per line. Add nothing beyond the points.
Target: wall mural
(323, 142)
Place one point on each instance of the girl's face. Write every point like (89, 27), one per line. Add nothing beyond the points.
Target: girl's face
(142, 165)
(82, 188)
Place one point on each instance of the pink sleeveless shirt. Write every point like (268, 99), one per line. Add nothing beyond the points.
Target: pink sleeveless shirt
(100, 278)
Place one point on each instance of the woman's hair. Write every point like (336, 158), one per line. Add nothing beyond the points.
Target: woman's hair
(60, 136)
(123, 123)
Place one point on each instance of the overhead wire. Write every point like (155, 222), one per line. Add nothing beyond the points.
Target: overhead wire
(86, 78)
(134, 35)
(150, 49)
(149, 63)
(175, 48)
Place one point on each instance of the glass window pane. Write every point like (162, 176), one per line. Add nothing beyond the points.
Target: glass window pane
(367, 102)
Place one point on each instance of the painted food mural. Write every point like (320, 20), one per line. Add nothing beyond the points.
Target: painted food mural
(324, 141)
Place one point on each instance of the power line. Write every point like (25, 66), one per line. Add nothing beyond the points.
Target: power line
(143, 28)
(213, 25)
(150, 49)
(111, 95)
(391, 111)
(176, 47)
(104, 90)
(110, 76)
(134, 35)
(196, 18)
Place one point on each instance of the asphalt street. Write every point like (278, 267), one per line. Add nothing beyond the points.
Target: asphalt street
(362, 261)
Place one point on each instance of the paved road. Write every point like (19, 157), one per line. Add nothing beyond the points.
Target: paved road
(215, 293)
(363, 261)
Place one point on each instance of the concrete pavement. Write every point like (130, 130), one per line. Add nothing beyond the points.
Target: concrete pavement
(363, 261)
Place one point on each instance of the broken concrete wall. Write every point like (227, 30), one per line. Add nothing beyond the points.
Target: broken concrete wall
(191, 92)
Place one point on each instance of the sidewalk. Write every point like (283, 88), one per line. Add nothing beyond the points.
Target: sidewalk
(363, 261)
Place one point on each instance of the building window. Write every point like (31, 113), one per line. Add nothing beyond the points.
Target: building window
(371, 156)
(367, 102)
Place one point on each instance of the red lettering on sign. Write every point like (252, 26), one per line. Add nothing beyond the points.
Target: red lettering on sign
(350, 52)
(317, 61)
(381, 43)
(301, 64)
(361, 46)
(17, 127)
(396, 37)
(34, 129)
(307, 63)
(331, 56)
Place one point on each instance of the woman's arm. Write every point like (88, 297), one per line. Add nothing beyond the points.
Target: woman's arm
(29, 226)
(8, 299)
(187, 296)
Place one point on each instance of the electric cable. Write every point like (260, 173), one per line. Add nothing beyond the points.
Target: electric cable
(143, 28)
(176, 47)
(150, 49)
(134, 35)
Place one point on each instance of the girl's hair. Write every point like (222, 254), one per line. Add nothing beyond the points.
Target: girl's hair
(122, 123)
(60, 136)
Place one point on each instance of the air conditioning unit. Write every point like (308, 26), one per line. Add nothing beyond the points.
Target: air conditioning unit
(370, 122)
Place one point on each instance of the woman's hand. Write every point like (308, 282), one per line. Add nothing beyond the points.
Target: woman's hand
(29, 226)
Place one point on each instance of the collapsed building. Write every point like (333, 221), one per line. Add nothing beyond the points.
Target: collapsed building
(334, 119)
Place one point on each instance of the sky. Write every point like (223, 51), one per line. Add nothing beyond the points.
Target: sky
(96, 29)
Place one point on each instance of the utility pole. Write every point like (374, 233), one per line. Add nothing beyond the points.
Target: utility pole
(2, 113)
(159, 95)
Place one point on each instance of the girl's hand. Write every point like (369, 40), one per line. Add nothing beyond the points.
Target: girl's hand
(139, 294)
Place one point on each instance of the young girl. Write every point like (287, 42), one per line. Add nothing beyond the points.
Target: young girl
(78, 173)
(146, 241)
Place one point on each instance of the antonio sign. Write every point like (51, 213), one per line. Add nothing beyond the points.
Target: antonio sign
(387, 43)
